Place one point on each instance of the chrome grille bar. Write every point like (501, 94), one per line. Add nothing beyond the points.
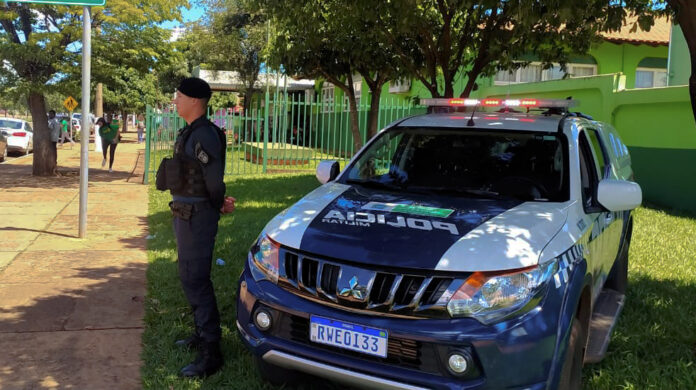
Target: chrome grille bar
(320, 279)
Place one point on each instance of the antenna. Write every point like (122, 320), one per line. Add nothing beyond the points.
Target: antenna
(471, 123)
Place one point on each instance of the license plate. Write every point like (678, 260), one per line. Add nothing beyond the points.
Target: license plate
(346, 335)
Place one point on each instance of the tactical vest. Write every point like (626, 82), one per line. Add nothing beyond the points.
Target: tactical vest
(182, 174)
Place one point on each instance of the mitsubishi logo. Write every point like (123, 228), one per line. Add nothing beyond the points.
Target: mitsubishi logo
(355, 290)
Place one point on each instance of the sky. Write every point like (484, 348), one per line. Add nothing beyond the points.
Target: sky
(194, 13)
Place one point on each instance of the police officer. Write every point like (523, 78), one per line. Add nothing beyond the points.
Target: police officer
(194, 176)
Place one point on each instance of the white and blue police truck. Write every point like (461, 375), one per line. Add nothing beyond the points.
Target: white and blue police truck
(467, 248)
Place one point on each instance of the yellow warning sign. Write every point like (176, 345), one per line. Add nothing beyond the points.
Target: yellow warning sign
(70, 103)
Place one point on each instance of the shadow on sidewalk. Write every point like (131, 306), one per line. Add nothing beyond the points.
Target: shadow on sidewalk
(14, 176)
(52, 342)
(16, 229)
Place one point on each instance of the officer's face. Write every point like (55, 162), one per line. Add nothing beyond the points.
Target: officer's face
(184, 104)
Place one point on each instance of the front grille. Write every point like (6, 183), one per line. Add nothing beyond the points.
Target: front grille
(361, 287)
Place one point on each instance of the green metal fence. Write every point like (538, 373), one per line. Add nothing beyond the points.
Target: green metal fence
(291, 135)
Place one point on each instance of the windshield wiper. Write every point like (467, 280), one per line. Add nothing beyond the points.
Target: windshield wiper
(375, 184)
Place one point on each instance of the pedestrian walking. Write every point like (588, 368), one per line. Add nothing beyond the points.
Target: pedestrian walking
(65, 134)
(194, 176)
(141, 127)
(110, 136)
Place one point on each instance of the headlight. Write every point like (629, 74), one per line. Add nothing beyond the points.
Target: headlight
(489, 297)
(263, 257)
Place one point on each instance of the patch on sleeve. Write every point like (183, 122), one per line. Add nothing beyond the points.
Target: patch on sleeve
(201, 154)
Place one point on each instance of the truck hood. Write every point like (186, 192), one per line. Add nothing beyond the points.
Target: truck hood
(387, 229)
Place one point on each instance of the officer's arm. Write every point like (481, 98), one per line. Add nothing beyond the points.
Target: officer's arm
(213, 169)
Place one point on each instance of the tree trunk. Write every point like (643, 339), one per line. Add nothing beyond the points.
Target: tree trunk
(686, 17)
(124, 120)
(45, 154)
(354, 124)
(692, 88)
(373, 115)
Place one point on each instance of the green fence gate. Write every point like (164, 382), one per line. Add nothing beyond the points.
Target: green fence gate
(291, 135)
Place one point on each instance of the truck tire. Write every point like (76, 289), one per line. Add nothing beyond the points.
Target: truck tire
(277, 376)
(571, 373)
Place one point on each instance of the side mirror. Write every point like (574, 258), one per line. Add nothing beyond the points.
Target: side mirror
(5, 134)
(327, 171)
(619, 195)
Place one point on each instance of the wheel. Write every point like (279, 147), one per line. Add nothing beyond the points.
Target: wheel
(277, 376)
(571, 373)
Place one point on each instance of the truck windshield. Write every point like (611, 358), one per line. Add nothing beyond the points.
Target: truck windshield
(481, 163)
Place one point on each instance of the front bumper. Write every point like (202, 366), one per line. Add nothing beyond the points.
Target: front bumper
(517, 353)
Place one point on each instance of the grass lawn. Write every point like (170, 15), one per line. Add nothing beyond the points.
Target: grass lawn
(654, 345)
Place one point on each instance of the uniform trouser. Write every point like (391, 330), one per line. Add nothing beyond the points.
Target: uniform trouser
(195, 242)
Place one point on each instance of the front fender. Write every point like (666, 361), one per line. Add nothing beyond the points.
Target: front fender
(578, 279)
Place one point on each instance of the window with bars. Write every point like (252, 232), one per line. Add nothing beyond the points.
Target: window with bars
(651, 77)
(535, 73)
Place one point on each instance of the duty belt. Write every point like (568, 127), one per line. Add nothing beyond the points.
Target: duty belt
(185, 210)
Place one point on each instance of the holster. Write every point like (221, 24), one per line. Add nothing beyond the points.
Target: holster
(181, 210)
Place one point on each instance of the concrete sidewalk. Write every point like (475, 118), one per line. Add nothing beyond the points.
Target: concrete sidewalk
(71, 310)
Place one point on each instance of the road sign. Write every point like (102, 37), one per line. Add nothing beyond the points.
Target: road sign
(70, 103)
(96, 3)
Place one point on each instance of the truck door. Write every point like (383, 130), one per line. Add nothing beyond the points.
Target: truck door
(606, 225)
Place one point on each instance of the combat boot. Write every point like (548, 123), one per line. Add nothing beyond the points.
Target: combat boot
(190, 342)
(208, 361)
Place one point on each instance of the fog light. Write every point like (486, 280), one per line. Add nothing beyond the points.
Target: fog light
(263, 320)
(458, 363)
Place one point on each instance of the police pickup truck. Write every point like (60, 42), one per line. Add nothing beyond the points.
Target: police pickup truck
(464, 248)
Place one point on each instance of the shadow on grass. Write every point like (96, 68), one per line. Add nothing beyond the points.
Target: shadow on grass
(654, 343)
(168, 316)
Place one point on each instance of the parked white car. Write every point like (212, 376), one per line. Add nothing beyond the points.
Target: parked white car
(20, 135)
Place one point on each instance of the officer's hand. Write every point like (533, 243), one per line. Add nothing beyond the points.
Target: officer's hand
(228, 205)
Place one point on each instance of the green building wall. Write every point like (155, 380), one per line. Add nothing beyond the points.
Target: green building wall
(679, 62)
(624, 58)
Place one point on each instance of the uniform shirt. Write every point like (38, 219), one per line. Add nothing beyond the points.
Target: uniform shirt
(206, 135)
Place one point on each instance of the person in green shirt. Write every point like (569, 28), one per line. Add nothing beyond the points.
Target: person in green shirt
(110, 135)
(64, 134)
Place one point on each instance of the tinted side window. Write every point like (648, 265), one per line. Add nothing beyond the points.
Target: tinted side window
(588, 172)
(598, 151)
(29, 127)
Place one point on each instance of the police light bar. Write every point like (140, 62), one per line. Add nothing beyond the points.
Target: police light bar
(495, 102)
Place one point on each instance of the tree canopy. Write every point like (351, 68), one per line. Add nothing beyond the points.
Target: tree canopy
(40, 46)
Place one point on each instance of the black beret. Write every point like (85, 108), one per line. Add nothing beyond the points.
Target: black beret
(195, 88)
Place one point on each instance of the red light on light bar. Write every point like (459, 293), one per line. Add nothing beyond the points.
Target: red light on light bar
(19, 134)
(490, 102)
